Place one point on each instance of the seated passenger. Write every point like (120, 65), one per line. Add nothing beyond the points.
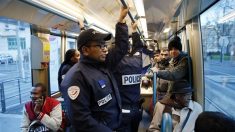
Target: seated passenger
(71, 57)
(209, 121)
(184, 111)
(42, 113)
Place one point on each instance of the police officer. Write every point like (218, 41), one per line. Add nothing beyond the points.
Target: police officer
(89, 88)
(128, 76)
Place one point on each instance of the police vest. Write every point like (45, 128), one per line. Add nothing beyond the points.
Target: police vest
(128, 76)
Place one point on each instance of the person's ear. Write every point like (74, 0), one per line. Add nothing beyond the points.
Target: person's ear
(85, 51)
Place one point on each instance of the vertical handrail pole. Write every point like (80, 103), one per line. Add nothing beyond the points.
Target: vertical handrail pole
(3, 101)
(189, 65)
(19, 91)
(154, 88)
(166, 123)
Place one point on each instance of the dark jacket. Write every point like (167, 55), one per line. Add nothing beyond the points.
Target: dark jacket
(64, 68)
(162, 84)
(98, 105)
(128, 74)
(178, 70)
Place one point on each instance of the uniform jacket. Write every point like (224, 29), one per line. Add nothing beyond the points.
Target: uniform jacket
(50, 116)
(196, 109)
(128, 73)
(98, 105)
(178, 70)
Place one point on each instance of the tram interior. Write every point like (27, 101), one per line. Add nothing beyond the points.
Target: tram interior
(206, 29)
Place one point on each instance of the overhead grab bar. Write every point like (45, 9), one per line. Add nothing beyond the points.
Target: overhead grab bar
(131, 17)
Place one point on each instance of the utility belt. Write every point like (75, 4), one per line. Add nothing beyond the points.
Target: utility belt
(128, 108)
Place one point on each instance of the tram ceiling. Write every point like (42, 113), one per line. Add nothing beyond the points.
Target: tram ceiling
(157, 14)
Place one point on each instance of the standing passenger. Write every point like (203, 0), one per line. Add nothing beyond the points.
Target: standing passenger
(128, 76)
(89, 88)
(71, 57)
(178, 68)
(162, 84)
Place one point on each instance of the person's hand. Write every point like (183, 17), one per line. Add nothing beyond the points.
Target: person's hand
(149, 74)
(81, 25)
(134, 27)
(38, 106)
(123, 13)
(154, 69)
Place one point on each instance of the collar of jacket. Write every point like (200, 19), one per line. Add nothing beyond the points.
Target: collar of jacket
(179, 57)
(91, 61)
(69, 63)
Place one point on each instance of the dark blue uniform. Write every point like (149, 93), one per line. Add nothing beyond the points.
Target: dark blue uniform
(128, 76)
(97, 108)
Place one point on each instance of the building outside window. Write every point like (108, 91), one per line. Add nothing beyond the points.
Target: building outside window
(218, 42)
(12, 43)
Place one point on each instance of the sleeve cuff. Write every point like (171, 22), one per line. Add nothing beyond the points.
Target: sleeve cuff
(122, 23)
(40, 116)
(82, 29)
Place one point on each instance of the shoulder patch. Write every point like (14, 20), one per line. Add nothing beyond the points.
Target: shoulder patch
(73, 92)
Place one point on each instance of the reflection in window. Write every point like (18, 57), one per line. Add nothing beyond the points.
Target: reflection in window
(218, 39)
(55, 61)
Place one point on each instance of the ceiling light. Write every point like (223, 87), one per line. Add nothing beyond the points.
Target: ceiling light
(166, 30)
(59, 9)
(139, 5)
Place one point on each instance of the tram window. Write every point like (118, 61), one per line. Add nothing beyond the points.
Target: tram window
(55, 61)
(71, 44)
(218, 39)
(15, 66)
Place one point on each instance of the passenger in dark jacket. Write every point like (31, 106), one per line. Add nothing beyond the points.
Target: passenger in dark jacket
(71, 57)
(89, 88)
(179, 66)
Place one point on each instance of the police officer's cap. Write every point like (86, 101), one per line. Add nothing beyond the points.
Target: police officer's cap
(91, 35)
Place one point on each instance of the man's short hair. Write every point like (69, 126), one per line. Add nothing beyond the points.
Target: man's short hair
(44, 90)
(156, 52)
(209, 121)
(175, 43)
(164, 49)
